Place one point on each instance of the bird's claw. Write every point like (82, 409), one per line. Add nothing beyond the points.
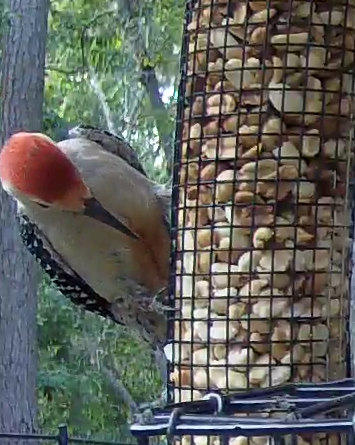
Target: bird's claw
(146, 410)
(161, 302)
(143, 417)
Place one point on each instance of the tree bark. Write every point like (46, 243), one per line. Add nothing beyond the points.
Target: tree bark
(22, 87)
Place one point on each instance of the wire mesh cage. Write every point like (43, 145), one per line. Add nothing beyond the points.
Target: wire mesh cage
(263, 217)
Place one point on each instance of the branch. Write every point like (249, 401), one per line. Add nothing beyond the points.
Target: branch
(84, 65)
(148, 76)
(63, 71)
(95, 83)
(132, 115)
(85, 30)
(112, 378)
(118, 387)
(149, 81)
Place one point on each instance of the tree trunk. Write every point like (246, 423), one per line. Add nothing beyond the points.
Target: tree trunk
(22, 101)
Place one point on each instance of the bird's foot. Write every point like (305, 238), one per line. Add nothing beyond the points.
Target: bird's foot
(143, 417)
(161, 302)
(145, 412)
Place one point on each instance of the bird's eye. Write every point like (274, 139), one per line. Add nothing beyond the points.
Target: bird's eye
(44, 206)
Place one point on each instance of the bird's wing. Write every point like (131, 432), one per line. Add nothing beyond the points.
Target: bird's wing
(119, 147)
(110, 142)
(70, 284)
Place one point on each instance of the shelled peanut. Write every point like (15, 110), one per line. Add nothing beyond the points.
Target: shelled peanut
(262, 289)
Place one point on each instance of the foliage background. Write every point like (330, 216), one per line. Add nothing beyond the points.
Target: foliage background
(115, 65)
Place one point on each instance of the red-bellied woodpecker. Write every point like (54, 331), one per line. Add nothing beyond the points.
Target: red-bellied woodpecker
(94, 221)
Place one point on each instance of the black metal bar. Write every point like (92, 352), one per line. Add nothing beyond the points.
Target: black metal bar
(296, 395)
(28, 436)
(237, 406)
(94, 441)
(298, 401)
(230, 426)
(63, 438)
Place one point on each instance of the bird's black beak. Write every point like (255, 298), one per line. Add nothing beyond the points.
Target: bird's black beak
(94, 209)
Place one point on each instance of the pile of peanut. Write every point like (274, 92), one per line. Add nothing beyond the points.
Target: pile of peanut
(262, 282)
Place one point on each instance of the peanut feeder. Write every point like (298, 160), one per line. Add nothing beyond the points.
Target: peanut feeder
(262, 279)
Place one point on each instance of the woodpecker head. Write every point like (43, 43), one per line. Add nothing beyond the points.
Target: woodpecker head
(33, 168)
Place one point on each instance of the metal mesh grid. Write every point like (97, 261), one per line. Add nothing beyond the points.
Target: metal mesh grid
(263, 218)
